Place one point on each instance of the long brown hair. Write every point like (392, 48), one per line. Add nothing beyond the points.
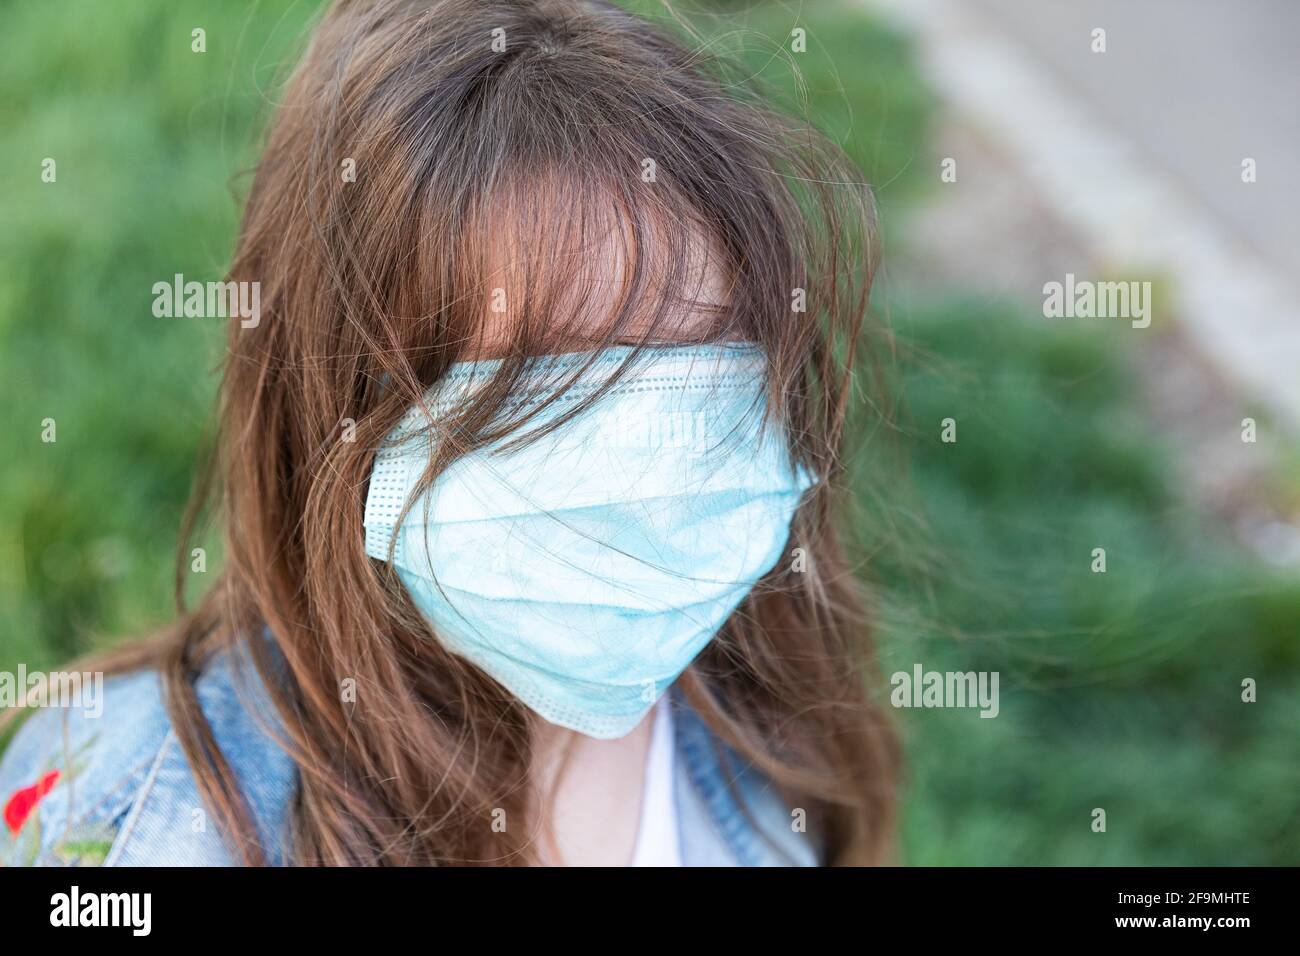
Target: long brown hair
(428, 161)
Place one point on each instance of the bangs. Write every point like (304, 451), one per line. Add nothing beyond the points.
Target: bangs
(598, 269)
(559, 263)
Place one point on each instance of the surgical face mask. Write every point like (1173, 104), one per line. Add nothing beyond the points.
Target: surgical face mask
(587, 569)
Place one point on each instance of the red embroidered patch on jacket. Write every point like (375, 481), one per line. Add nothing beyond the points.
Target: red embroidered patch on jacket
(22, 802)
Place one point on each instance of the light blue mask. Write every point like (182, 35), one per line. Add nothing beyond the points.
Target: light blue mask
(586, 570)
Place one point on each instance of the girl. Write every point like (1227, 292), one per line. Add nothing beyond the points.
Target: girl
(528, 478)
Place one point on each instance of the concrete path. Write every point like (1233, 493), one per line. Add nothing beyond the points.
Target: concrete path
(1139, 151)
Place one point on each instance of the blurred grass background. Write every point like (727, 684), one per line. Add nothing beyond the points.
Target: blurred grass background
(1119, 691)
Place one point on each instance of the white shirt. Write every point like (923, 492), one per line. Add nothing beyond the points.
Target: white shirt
(657, 838)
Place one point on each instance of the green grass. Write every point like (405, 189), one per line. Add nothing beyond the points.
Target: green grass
(1119, 690)
(149, 140)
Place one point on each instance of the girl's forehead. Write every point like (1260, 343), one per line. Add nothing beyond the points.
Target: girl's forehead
(568, 271)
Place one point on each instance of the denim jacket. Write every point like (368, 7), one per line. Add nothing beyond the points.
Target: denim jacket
(116, 790)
